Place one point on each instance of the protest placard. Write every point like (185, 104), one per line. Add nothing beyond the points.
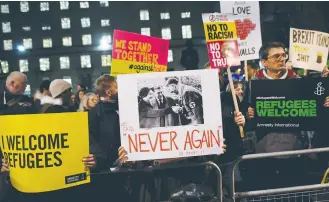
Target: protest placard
(308, 49)
(221, 38)
(45, 151)
(247, 25)
(170, 115)
(289, 104)
(134, 53)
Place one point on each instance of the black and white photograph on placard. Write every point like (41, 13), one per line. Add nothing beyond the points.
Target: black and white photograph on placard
(170, 101)
(170, 114)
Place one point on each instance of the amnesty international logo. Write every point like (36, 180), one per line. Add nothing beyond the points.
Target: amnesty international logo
(319, 90)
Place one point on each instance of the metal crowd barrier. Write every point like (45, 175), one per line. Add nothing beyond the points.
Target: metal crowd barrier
(174, 166)
(295, 194)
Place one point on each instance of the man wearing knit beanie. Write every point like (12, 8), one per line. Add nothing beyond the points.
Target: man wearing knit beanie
(60, 91)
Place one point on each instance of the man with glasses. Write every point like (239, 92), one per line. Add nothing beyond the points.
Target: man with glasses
(273, 57)
(287, 171)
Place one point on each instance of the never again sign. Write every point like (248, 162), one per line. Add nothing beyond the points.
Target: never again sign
(47, 147)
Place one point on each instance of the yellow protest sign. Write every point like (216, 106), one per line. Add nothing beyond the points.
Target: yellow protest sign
(220, 31)
(45, 151)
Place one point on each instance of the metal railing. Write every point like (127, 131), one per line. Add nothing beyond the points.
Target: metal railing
(173, 166)
(280, 191)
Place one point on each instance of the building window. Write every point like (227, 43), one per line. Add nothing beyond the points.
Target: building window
(67, 41)
(85, 61)
(186, 15)
(86, 39)
(6, 27)
(104, 3)
(164, 16)
(64, 5)
(47, 43)
(7, 45)
(66, 23)
(170, 56)
(24, 6)
(106, 60)
(146, 31)
(64, 62)
(85, 22)
(44, 6)
(5, 8)
(144, 15)
(166, 33)
(44, 64)
(5, 67)
(27, 43)
(105, 22)
(84, 4)
(27, 90)
(26, 28)
(44, 28)
(23, 65)
(186, 32)
(67, 79)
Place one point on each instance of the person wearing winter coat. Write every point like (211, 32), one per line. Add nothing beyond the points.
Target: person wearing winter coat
(60, 100)
(104, 142)
(12, 102)
(278, 171)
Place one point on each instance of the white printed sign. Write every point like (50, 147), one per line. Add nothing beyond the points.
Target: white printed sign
(248, 26)
(308, 49)
(170, 114)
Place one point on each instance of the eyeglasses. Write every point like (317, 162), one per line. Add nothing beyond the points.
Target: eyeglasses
(278, 56)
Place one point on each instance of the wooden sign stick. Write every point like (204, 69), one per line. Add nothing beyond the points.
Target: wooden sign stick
(246, 69)
(236, 106)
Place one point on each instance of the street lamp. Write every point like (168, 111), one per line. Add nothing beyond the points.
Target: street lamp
(104, 43)
(21, 48)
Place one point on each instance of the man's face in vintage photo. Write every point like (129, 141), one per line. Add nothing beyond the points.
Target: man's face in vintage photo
(158, 93)
(172, 88)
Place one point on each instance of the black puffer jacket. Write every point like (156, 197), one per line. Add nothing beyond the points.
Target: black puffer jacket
(104, 134)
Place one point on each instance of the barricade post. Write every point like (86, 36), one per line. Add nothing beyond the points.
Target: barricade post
(257, 193)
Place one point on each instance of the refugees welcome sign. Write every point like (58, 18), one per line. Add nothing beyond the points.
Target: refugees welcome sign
(44, 152)
(289, 105)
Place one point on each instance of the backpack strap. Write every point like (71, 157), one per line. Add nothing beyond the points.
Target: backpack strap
(44, 108)
(14, 101)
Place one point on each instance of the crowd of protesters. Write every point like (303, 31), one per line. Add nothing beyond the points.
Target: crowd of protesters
(106, 152)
